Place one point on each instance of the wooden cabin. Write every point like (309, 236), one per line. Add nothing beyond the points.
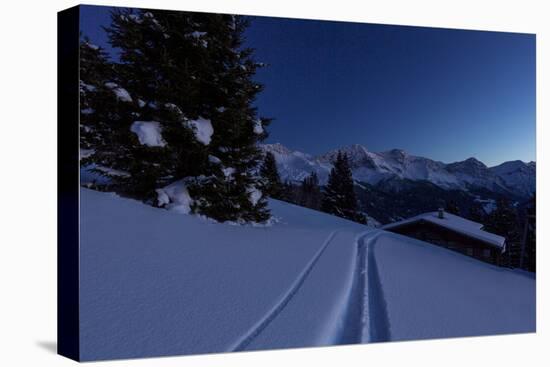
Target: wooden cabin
(454, 233)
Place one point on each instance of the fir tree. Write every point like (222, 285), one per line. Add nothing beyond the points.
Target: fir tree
(102, 115)
(94, 72)
(504, 222)
(476, 213)
(180, 68)
(452, 207)
(290, 192)
(339, 195)
(148, 67)
(310, 192)
(503, 219)
(272, 185)
(529, 250)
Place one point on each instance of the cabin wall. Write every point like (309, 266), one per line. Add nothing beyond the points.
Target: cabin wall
(428, 232)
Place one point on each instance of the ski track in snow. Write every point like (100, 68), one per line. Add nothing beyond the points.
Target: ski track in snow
(276, 310)
(354, 317)
(367, 318)
(378, 327)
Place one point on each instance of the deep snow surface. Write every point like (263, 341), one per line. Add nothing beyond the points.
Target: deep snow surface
(431, 292)
(155, 282)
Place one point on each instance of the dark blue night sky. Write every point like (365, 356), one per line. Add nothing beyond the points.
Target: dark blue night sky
(444, 94)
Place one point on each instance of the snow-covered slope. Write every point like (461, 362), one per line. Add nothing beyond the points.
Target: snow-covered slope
(371, 167)
(154, 282)
(430, 292)
(518, 175)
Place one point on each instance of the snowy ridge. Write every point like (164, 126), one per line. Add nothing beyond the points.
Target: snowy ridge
(373, 168)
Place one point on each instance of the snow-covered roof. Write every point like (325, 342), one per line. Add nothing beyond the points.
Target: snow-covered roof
(457, 224)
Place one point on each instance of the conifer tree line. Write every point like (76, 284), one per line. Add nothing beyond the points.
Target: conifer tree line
(185, 80)
(529, 255)
(518, 226)
(311, 195)
(272, 185)
(307, 193)
(337, 197)
(452, 207)
(515, 222)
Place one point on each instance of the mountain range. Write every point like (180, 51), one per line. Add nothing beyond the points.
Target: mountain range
(395, 169)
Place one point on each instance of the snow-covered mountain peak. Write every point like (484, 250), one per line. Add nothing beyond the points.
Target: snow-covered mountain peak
(472, 172)
(276, 148)
(356, 153)
(398, 156)
(397, 164)
(476, 162)
(295, 165)
(518, 175)
(510, 166)
(397, 153)
(473, 162)
(470, 166)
